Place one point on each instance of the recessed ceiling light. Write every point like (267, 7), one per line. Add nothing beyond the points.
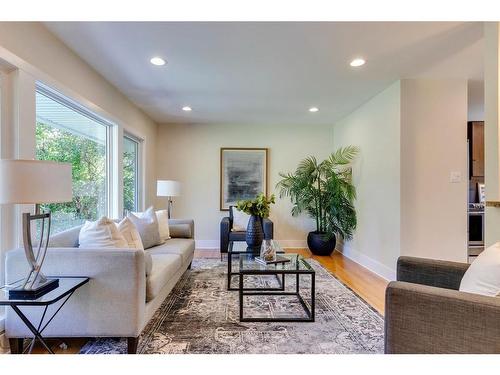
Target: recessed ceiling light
(157, 61)
(357, 62)
(313, 109)
(187, 108)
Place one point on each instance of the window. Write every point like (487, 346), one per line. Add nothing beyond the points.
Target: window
(66, 132)
(130, 174)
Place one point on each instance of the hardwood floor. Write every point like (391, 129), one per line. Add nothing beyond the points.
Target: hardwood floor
(366, 284)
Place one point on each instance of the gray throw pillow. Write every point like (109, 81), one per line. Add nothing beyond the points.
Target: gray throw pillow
(147, 226)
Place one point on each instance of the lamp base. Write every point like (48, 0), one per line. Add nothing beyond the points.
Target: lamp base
(34, 293)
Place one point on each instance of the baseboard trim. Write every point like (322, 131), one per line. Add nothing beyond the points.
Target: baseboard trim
(215, 244)
(207, 244)
(367, 262)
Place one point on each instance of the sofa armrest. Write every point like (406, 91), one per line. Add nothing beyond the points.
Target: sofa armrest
(111, 304)
(268, 227)
(181, 228)
(431, 272)
(225, 229)
(426, 319)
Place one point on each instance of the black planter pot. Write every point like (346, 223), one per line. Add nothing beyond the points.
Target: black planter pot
(320, 244)
(255, 233)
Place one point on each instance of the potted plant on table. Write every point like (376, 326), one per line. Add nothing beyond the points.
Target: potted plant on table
(258, 208)
(325, 192)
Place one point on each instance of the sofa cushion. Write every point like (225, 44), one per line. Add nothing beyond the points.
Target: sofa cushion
(67, 238)
(165, 267)
(183, 247)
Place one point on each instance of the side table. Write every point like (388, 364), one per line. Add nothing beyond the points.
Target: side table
(67, 286)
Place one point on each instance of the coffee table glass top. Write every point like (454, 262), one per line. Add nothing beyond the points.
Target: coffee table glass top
(242, 247)
(296, 263)
(66, 286)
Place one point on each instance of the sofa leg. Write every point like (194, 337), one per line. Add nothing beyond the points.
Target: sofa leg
(190, 264)
(132, 345)
(16, 345)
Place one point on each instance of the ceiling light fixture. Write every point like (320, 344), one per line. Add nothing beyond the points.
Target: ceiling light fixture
(357, 62)
(187, 108)
(157, 61)
(313, 109)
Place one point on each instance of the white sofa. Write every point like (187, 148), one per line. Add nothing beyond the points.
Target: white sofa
(119, 299)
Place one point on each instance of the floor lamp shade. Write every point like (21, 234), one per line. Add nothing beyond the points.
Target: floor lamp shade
(35, 181)
(168, 188)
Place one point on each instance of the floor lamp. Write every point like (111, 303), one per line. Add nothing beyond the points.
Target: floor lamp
(169, 189)
(34, 182)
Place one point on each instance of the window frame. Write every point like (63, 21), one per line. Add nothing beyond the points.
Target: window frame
(110, 127)
(138, 168)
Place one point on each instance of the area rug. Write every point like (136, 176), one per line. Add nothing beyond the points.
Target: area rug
(201, 316)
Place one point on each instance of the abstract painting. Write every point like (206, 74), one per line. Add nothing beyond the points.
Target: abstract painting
(243, 174)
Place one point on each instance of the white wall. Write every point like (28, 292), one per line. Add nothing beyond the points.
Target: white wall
(190, 153)
(375, 129)
(475, 100)
(433, 145)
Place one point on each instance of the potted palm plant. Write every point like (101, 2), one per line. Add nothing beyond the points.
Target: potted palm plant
(258, 208)
(324, 191)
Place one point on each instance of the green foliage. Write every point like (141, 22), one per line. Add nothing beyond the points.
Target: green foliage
(259, 206)
(88, 160)
(324, 191)
(129, 176)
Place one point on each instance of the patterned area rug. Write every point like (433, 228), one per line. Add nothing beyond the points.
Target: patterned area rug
(201, 316)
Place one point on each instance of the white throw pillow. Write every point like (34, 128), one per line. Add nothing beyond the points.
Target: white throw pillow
(102, 233)
(162, 217)
(240, 220)
(483, 275)
(147, 226)
(130, 233)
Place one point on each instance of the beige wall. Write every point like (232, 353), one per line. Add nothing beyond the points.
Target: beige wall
(375, 128)
(491, 130)
(412, 137)
(39, 54)
(434, 145)
(190, 154)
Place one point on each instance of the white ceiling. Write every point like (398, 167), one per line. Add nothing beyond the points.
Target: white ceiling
(271, 73)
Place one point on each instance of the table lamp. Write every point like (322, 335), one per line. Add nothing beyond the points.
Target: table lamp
(168, 188)
(34, 182)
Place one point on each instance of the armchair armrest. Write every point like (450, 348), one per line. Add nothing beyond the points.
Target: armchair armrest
(268, 227)
(426, 319)
(225, 228)
(181, 228)
(431, 272)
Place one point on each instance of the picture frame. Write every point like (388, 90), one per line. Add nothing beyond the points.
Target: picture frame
(243, 174)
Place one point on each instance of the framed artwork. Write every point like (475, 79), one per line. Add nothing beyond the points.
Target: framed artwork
(243, 174)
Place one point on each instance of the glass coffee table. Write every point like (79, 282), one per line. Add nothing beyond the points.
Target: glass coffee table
(299, 306)
(237, 248)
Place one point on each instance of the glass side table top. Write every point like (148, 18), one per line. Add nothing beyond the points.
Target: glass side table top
(66, 286)
(242, 247)
(297, 264)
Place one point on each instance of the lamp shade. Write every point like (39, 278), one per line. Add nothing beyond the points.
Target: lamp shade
(168, 188)
(34, 181)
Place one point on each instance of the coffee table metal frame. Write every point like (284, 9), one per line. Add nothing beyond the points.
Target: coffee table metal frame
(58, 294)
(308, 270)
(249, 251)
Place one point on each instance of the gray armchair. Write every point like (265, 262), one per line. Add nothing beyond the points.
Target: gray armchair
(227, 235)
(425, 312)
